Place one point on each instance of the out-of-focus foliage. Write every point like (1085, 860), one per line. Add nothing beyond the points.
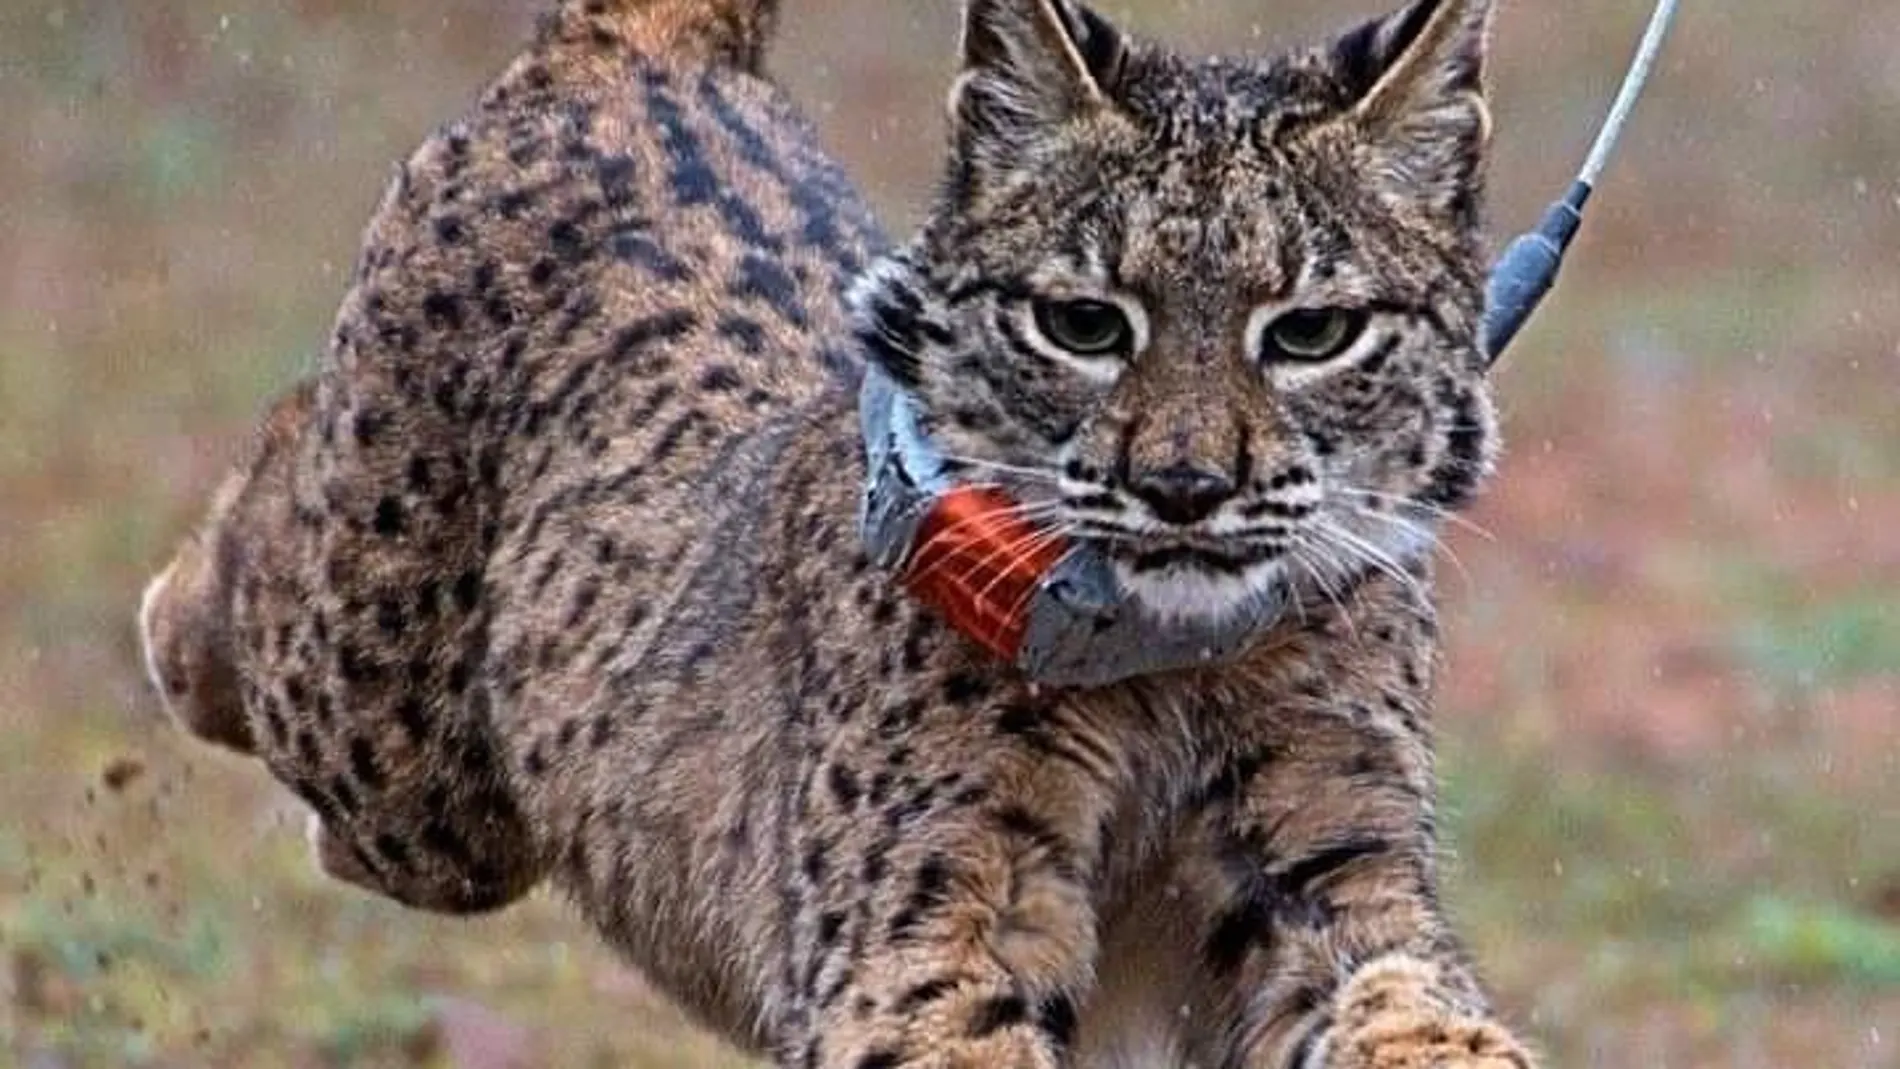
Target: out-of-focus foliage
(1671, 715)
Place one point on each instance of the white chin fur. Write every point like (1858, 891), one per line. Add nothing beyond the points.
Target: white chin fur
(1181, 594)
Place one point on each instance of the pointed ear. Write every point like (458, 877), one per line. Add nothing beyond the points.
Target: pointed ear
(1417, 79)
(1031, 64)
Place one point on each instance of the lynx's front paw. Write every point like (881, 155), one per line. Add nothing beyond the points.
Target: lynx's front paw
(1395, 1015)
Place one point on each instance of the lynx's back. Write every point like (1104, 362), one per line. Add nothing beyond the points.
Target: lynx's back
(571, 307)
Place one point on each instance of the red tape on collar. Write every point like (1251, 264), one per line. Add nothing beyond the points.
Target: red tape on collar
(978, 563)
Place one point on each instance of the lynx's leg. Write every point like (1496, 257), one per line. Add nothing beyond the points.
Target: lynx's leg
(974, 962)
(1322, 920)
(962, 933)
(1410, 1012)
(251, 642)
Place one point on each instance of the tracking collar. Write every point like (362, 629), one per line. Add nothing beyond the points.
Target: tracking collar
(1051, 607)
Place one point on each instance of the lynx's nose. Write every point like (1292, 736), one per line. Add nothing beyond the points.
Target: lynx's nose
(1182, 493)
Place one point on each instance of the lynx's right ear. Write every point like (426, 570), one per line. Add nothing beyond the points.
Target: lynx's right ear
(1029, 65)
(1418, 86)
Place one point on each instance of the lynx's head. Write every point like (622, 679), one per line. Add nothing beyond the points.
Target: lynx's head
(1216, 317)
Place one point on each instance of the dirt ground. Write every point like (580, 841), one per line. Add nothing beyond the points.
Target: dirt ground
(1672, 713)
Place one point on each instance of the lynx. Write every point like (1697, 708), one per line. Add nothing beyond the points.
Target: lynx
(551, 570)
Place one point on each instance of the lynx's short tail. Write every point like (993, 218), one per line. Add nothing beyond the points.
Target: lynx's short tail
(728, 32)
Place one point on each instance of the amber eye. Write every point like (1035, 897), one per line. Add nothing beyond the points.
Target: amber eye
(1085, 328)
(1312, 334)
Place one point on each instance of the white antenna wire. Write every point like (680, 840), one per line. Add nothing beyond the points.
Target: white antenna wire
(1528, 268)
(1632, 88)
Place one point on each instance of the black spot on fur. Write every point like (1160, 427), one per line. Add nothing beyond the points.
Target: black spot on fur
(658, 329)
(1455, 479)
(443, 311)
(1056, 1017)
(844, 786)
(720, 378)
(1298, 878)
(638, 249)
(363, 764)
(367, 427)
(891, 329)
(392, 850)
(441, 839)
(749, 335)
(616, 174)
(344, 795)
(930, 890)
(1228, 784)
(1236, 932)
(568, 240)
(766, 281)
(995, 1014)
(829, 925)
(307, 751)
(391, 519)
(413, 717)
(922, 995)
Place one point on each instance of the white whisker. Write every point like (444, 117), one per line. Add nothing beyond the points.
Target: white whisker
(926, 503)
(1373, 555)
(1029, 593)
(997, 465)
(1429, 509)
(1317, 565)
(1026, 513)
(1425, 536)
(1027, 545)
(1294, 560)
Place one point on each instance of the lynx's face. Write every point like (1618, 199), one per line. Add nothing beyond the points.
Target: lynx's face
(1216, 317)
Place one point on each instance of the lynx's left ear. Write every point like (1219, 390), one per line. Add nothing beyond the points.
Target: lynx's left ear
(1417, 79)
(1031, 65)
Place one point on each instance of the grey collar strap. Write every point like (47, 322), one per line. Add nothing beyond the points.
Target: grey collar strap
(1082, 628)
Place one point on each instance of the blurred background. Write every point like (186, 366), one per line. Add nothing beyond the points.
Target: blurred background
(1670, 723)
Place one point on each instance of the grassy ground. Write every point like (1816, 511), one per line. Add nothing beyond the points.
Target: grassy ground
(1672, 720)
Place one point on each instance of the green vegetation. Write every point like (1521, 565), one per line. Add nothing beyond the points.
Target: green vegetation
(1672, 718)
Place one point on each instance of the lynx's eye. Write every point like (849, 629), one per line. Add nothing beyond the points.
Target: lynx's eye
(1085, 328)
(1310, 335)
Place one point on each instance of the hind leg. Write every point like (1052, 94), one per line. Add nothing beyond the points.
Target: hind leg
(249, 642)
